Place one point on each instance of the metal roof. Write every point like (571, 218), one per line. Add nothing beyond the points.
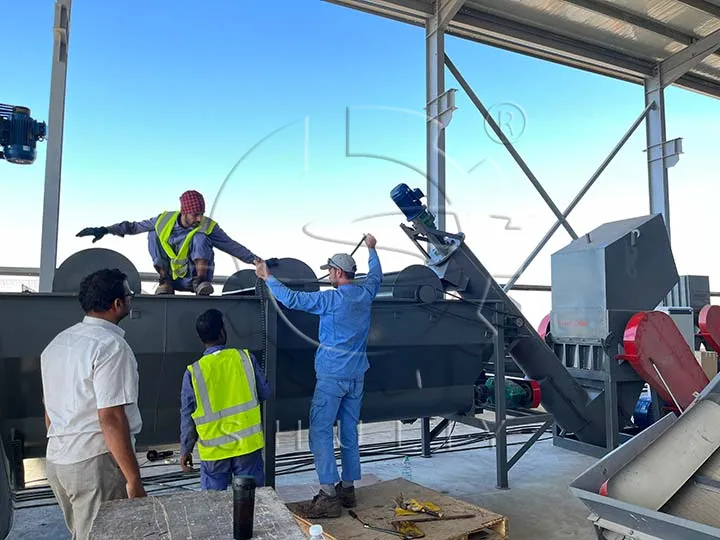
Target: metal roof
(624, 39)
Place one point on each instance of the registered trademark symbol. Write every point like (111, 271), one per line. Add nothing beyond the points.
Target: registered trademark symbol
(511, 120)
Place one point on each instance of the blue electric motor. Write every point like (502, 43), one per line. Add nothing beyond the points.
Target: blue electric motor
(408, 200)
(643, 414)
(19, 134)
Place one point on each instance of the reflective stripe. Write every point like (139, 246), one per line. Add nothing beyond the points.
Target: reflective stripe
(205, 225)
(211, 416)
(165, 218)
(232, 437)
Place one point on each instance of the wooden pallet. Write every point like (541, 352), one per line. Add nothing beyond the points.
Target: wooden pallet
(375, 507)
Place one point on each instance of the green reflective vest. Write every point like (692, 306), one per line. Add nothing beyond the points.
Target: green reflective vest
(227, 416)
(163, 228)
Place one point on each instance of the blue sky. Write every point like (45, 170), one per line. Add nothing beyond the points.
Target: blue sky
(166, 96)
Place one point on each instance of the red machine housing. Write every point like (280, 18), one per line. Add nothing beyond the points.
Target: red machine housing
(709, 324)
(544, 327)
(660, 355)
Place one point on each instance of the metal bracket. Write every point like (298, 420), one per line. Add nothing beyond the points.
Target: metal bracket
(669, 151)
(445, 10)
(620, 531)
(441, 109)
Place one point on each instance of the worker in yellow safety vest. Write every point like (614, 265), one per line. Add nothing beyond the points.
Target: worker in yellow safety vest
(181, 245)
(220, 409)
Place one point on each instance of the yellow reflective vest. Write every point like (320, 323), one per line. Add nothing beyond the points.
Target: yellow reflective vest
(227, 416)
(163, 228)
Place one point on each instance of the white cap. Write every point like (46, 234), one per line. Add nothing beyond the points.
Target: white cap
(315, 530)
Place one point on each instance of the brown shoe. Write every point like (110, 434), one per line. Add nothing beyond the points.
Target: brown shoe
(165, 288)
(347, 495)
(322, 506)
(204, 289)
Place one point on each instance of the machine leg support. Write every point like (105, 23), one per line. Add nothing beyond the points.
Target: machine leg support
(426, 440)
(528, 444)
(428, 435)
(17, 456)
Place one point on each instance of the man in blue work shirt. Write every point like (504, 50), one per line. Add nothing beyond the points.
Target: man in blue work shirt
(340, 366)
(220, 409)
(181, 245)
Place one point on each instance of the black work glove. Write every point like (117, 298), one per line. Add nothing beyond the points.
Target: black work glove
(97, 232)
(273, 261)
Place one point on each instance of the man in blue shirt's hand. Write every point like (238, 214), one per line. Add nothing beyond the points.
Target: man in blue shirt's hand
(181, 245)
(340, 366)
(226, 424)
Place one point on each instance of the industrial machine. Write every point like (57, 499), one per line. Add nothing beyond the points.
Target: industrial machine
(633, 493)
(440, 337)
(19, 134)
(604, 284)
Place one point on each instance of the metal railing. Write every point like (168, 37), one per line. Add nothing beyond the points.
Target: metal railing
(27, 271)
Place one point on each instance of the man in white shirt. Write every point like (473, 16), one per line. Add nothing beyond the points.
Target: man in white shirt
(90, 388)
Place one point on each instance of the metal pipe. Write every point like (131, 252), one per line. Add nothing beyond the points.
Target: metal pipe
(518, 159)
(578, 198)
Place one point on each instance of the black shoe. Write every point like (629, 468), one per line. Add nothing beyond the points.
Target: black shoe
(322, 506)
(347, 495)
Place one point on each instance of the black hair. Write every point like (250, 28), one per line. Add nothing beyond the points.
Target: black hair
(209, 326)
(99, 290)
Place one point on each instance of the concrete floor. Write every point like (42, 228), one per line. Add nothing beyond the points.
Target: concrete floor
(538, 504)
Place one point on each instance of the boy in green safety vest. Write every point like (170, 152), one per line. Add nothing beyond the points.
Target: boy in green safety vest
(220, 409)
(181, 244)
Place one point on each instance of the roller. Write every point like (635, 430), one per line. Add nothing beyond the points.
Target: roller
(78, 265)
(292, 272)
(416, 282)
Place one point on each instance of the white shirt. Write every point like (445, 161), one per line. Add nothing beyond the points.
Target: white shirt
(87, 367)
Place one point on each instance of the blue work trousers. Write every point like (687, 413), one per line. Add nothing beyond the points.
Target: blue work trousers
(216, 475)
(200, 248)
(341, 400)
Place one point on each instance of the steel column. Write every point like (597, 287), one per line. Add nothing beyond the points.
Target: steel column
(657, 167)
(270, 424)
(501, 460)
(511, 283)
(514, 153)
(53, 161)
(435, 87)
(426, 437)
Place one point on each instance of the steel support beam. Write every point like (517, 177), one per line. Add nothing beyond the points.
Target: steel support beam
(511, 283)
(447, 9)
(501, 460)
(658, 160)
(703, 5)
(435, 86)
(677, 65)
(611, 9)
(513, 152)
(53, 161)
(440, 105)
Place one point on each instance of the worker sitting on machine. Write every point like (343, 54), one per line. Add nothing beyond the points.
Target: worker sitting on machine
(340, 366)
(220, 409)
(181, 245)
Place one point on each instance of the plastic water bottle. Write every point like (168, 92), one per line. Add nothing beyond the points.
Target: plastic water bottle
(316, 532)
(406, 469)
